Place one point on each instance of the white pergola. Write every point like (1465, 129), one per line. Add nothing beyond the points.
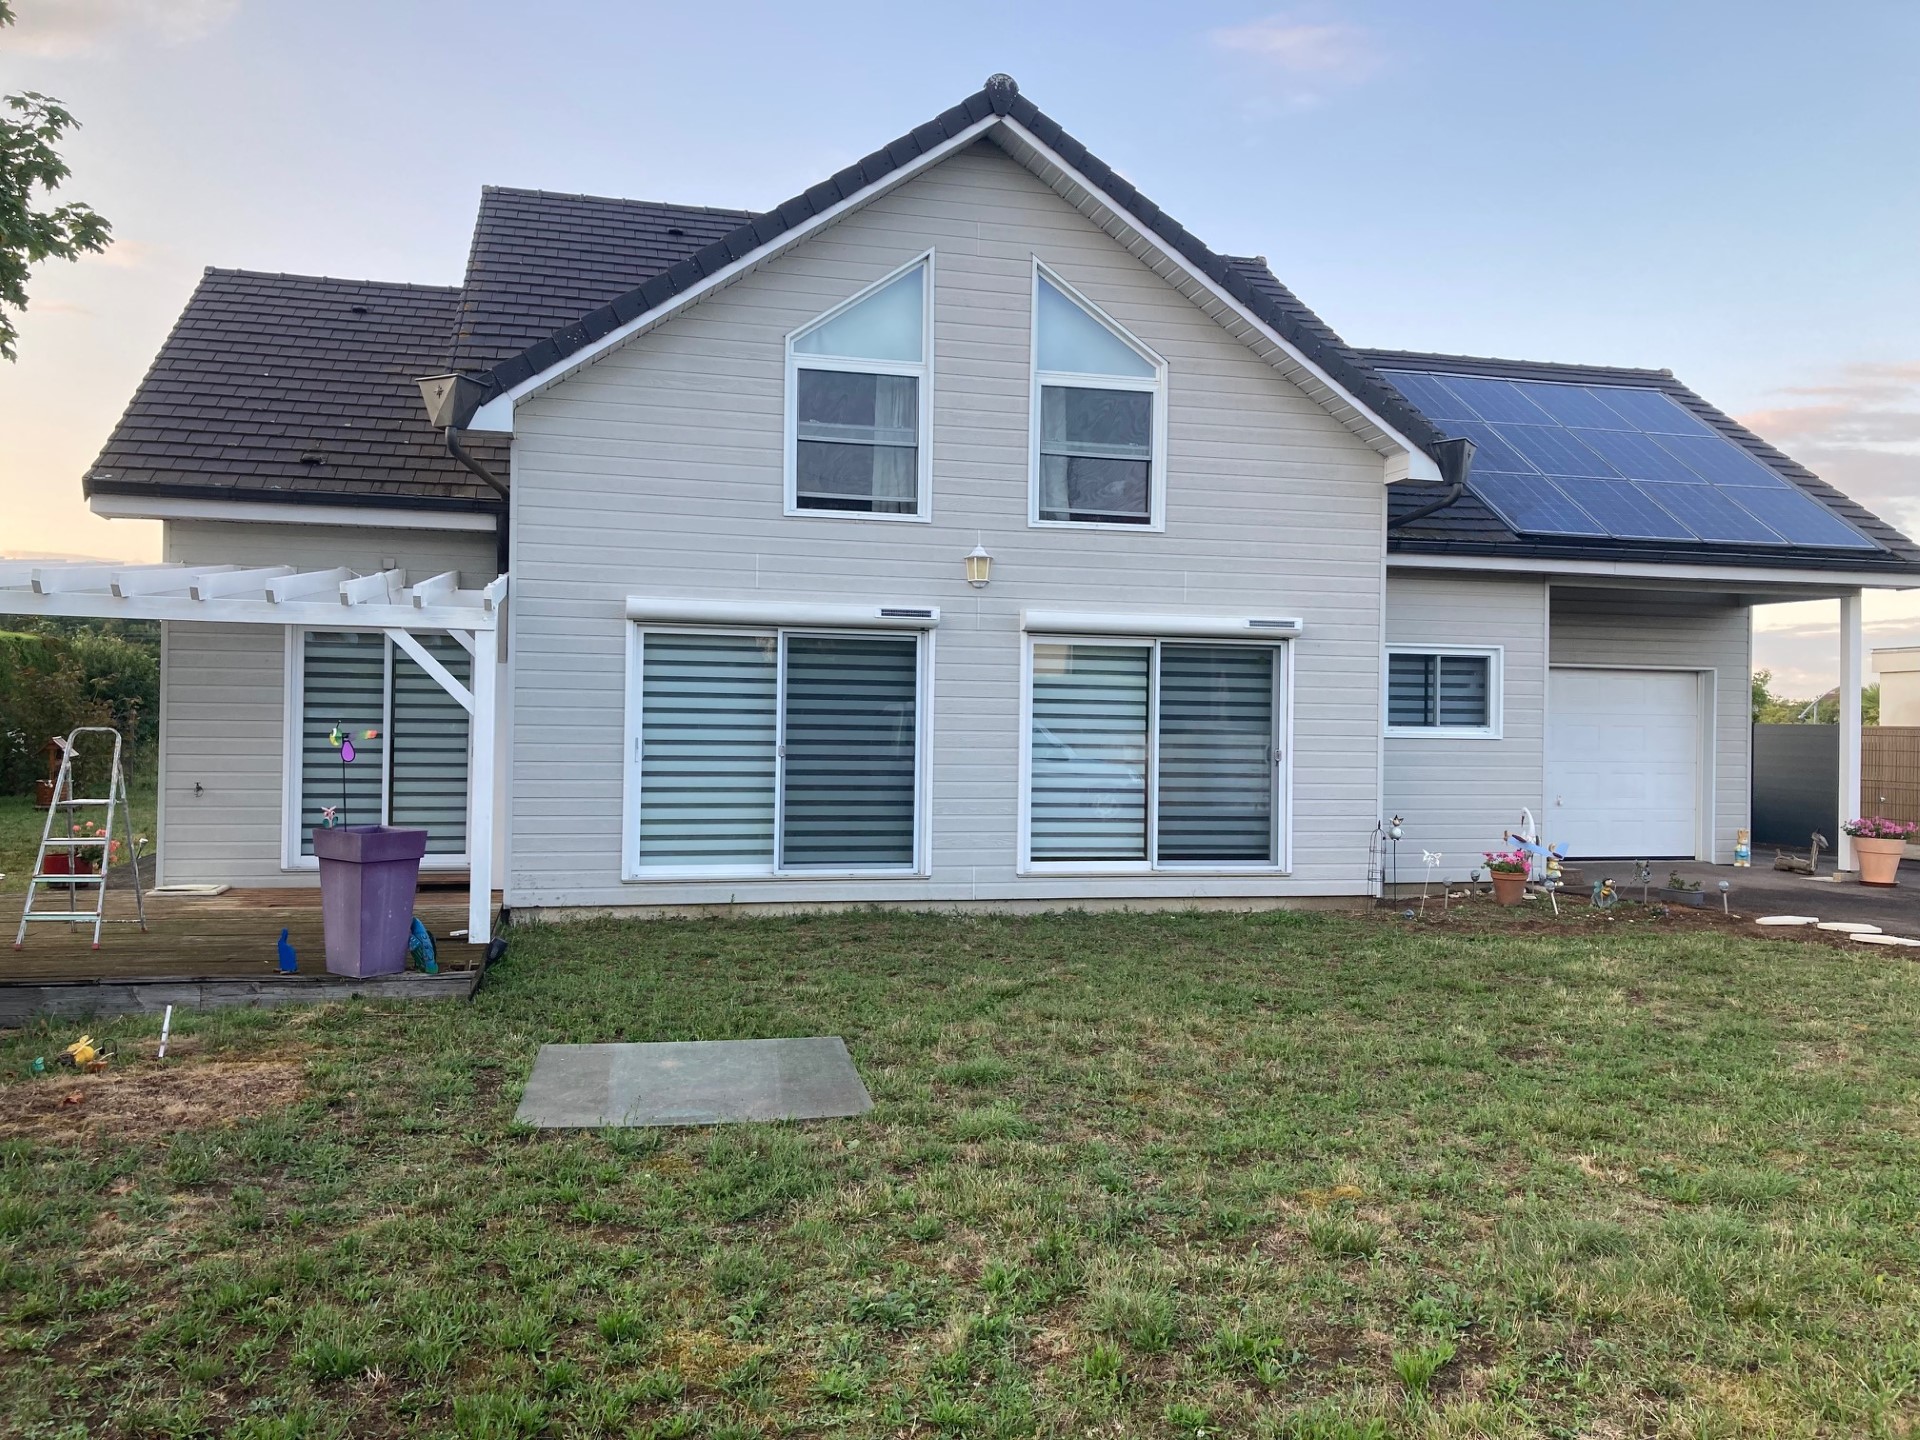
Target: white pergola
(282, 595)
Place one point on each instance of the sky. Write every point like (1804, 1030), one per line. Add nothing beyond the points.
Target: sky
(1727, 190)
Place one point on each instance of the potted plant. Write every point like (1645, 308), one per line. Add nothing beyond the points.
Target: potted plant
(1509, 870)
(1879, 843)
(368, 876)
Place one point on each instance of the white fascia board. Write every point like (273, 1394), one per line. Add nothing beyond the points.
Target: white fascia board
(496, 416)
(1636, 570)
(359, 517)
(327, 613)
(1207, 627)
(657, 610)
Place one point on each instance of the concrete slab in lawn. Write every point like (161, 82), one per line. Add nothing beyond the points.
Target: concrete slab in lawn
(692, 1082)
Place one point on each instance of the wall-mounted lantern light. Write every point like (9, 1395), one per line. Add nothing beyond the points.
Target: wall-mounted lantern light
(979, 567)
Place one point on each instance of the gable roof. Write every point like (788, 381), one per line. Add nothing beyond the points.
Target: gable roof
(274, 387)
(1469, 526)
(541, 260)
(1246, 283)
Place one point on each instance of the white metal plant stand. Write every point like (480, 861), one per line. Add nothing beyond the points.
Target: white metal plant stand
(76, 846)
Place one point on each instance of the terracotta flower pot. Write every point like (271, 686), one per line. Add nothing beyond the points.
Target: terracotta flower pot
(1879, 860)
(1509, 887)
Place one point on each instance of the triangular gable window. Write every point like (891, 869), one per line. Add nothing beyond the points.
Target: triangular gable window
(1099, 406)
(856, 403)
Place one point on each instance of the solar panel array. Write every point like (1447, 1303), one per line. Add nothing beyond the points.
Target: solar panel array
(1616, 462)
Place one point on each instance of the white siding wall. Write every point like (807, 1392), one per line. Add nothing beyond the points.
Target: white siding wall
(1642, 628)
(658, 471)
(1459, 795)
(223, 687)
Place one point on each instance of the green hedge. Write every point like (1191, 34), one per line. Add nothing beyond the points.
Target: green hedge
(62, 675)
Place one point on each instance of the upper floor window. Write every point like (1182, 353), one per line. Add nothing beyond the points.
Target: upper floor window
(1099, 403)
(857, 411)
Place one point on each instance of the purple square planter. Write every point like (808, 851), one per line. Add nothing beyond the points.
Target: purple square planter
(368, 876)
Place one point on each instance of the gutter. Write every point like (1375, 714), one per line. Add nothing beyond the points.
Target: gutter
(1455, 459)
(451, 401)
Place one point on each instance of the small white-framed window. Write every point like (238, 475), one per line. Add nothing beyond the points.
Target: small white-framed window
(1448, 691)
(798, 753)
(412, 741)
(1143, 755)
(1099, 416)
(859, 408)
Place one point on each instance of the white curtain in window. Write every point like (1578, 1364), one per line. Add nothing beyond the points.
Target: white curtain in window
(1089, 741)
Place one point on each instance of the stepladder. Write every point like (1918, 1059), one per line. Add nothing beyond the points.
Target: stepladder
(79, 849)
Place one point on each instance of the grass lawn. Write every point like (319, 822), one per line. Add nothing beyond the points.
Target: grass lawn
(1285, 1174)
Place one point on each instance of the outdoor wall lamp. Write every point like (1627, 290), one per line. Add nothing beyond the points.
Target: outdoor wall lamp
(979, 567)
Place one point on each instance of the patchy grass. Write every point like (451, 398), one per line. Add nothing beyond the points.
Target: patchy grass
(1284, 1175)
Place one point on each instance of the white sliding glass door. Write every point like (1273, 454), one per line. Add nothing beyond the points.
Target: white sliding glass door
(791, 752)
(1154, 755)
(411, 770)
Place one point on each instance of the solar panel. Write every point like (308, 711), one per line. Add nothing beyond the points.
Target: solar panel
(1626, 512)
(1636, 456)
(1650, 411)
(1490, 449)
(1718, 463)
(1554, 451)
(1709, 513)
(1430, 395)
(1534, 504)
(1498, 400)
(1573, 405)
(1801, 520)
(1625, 461)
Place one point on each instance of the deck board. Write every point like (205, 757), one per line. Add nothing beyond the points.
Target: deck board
(230, 936)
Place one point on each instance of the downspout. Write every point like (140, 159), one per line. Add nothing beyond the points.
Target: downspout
(451, 401)
(1455, 458)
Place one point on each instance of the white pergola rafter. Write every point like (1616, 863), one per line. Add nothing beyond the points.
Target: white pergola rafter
(282, 595)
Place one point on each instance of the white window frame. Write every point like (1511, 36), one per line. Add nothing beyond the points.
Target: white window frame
(1494, 655)
(631, 870)
(923, 372)
(293, 758)
(1280, 865)
(1157, 386)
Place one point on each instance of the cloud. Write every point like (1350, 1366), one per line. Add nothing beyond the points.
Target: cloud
(1298, 61)
(57, 29)
(1859, 430)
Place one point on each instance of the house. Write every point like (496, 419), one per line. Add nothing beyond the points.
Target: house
(1898, 667)
(962, 531)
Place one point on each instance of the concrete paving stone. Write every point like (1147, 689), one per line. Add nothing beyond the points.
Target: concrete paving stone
(692, 1082)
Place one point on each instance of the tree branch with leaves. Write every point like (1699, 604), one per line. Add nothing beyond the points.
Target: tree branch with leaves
(31, 128)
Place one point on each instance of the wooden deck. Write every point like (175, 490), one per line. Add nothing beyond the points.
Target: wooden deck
(209, 950)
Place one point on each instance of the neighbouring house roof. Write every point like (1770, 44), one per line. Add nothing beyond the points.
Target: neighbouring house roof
(1473, 527)
(281, 387)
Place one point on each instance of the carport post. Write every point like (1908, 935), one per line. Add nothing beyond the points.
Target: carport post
(1850, 677)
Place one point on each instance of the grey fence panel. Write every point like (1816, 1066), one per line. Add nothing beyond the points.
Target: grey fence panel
(1796, 783)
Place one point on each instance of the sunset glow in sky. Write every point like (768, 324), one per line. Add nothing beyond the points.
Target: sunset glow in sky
(1724, 189)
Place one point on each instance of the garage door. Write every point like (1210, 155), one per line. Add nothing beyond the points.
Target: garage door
(1623, 763)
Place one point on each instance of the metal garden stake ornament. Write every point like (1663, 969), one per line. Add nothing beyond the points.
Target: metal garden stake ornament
(341, 740)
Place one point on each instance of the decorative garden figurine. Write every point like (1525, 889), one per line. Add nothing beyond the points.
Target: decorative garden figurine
(1604, 897)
